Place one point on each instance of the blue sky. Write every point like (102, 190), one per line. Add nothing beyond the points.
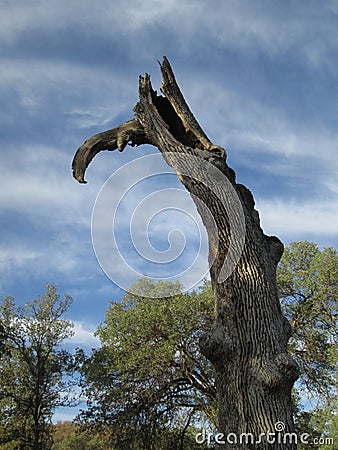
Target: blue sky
(261, 77)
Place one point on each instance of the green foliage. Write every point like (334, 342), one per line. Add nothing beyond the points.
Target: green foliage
(325, 421)
(308, 285)
(67, 437)
(149, 383)
(31, 369)
(308, 289)
(149, 372)
(321, 424)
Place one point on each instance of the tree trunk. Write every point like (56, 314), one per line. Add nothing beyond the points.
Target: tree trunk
(248, 342)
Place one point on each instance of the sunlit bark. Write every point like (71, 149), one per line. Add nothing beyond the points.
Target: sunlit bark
(248, 342)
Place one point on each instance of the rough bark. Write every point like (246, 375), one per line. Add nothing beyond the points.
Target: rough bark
(248, 342)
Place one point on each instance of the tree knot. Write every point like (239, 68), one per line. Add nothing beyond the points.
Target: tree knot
(275, 373)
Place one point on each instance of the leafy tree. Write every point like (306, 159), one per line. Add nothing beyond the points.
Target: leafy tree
(325, 421)
(321, 424)
(308, 289)
(2, 339)
(32, 368)
(150, 372)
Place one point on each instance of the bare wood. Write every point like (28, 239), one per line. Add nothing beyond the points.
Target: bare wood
(247, 344)
(130, 132)
(173, 93)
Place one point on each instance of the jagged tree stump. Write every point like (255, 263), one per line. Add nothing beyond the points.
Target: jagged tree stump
(247, 344)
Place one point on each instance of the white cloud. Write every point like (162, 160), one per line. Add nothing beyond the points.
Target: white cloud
(65, 256)
(306, 31)
(309, 33)
(37, 182)
(17, 257)
(250, 123)
(81, 118)
(83, 335)
(86, 95)
(66, 414)
(333, 184)
(290, 218)
(45, 216)
(19, 16)
(103, 17)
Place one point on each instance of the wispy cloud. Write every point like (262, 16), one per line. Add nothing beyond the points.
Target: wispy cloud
(252, 124)
(83, 335)
(299, 219)
(87, 96)
(309, 33)
(259, 76)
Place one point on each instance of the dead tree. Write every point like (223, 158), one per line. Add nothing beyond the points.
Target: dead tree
(247, 344)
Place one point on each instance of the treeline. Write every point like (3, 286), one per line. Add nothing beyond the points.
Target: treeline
(148, 386)
(70, 436)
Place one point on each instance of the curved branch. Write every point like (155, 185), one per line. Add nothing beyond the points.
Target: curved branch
(131, 132)
(169, 113)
